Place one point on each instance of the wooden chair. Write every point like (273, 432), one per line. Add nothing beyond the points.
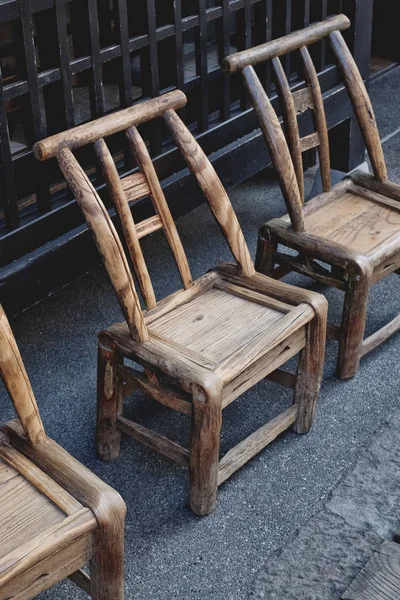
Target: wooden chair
(204, 345)
(353, 228)
(55, 515)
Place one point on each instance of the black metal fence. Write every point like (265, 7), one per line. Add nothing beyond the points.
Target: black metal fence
(64, 62)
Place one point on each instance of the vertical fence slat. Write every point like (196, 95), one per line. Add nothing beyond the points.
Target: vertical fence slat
(224, 47)
(307, 9)
(7, 188)
(96, 88)
(126, 97)
(324, 14)
(150, 73)
(288, 29)
(179, 53)
(38, 124)
(261, 36)
(39, 131)
(66, 77)
(269, 37)
(202, 66)
(243, 32)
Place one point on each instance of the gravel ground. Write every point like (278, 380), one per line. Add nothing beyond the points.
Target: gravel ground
(169, 552)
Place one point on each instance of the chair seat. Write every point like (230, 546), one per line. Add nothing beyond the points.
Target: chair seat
(33, 521)
(361, 220)
(24, 511)
(217, 324)
(227, 329)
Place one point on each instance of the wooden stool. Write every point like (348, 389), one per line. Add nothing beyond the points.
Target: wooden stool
(210, 341)
(354, 228)
(55, 515)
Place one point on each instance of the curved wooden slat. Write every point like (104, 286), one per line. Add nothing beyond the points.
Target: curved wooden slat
(361, 104)
(145, 164)
(118, 197)
(290, 118)
(319, 117)
(213, 190)
(107, 242)
(278, 147)
(16, 380)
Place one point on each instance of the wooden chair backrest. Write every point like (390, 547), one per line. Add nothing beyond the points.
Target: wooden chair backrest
(16, 381)
(287, 156)
(140, 185)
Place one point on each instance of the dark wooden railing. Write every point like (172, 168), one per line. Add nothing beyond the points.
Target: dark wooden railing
(64, 62)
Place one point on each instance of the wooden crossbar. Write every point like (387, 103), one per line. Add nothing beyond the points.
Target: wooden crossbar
(154, 440)
(303, 100)
(173, 399)
(254, 443)
(148, 226)
(374, 340)
(135, 187)
(310, 141)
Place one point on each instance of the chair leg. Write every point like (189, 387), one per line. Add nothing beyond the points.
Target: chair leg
(108, 399)
(266, 249)
(353, 326)
(310, 369)
(204, 452)
(107, 563)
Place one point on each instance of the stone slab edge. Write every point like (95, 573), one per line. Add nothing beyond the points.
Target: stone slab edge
(327, 553)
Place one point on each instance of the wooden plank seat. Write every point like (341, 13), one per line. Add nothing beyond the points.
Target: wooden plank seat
(204, 345)
(352, 228)
(55, 516)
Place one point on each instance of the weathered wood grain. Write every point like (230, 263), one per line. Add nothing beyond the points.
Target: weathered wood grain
(160, 204)
(361, 103)
(212, 189)
(380, 578)
(377, 338)
(319, 118)
(355, 226)
(120, 202)
(55, 515)
(135, 187)
(252, 445)
(199, 348)
(291, 105)
(154, 440)
(16, 380)
(108, 125)
(107, 241)
(284, 45)
(277, 145)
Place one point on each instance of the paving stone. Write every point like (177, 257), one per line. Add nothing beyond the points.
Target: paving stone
(327, 553)
(320, 562)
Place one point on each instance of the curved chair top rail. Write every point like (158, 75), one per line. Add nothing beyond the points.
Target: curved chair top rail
(16, 381)
(286, 151)
(284, 45)
(110, 124)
